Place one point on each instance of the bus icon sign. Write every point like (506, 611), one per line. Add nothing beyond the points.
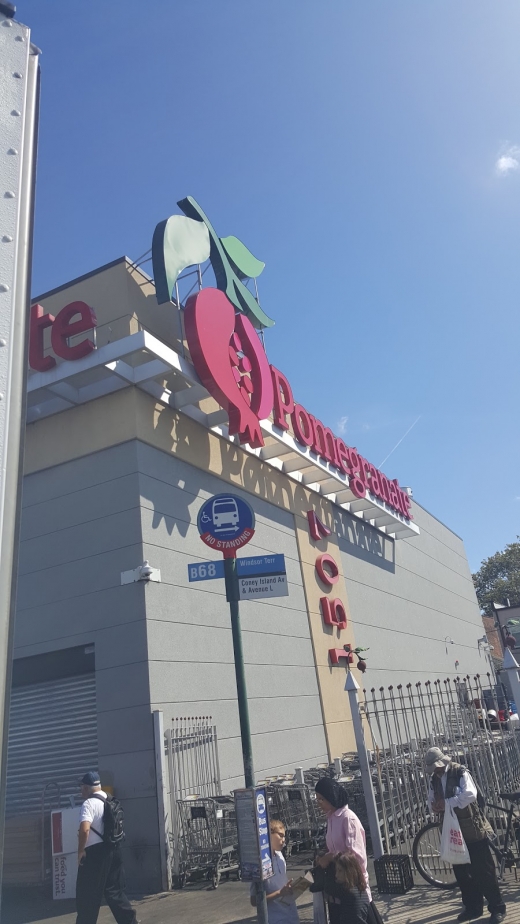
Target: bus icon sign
(226, 523)
(225, 514)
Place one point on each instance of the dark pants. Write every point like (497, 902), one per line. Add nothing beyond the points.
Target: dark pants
(478, 880)
(356, 912)
(101, 875)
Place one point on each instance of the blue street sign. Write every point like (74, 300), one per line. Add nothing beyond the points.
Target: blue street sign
(254, 845)
(264, 842)
(206, 570)
(261, 564)
(226, 522)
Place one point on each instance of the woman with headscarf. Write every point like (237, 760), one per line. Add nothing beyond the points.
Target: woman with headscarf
(344, 832)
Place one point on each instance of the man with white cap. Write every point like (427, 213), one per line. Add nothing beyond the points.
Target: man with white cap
(452, 785)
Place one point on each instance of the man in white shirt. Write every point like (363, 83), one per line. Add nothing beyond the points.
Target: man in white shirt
(100, 867)
(452, 785)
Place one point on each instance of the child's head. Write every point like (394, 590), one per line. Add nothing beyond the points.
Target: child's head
(349, 873)
(277, 832)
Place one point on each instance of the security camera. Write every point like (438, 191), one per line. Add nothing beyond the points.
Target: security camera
(145, 571)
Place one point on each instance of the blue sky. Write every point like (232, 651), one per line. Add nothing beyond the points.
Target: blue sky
(369, 153)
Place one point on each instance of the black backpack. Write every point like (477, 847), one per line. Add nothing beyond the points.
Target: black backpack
(113, 820)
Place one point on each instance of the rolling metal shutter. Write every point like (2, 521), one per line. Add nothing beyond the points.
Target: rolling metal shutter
(52, 742)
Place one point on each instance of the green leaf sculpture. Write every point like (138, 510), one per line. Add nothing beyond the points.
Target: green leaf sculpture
(227, 270)
(243, 261)
(177, 243)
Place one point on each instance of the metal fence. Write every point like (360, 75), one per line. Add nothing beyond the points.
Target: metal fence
(403, 722)
(191, 747)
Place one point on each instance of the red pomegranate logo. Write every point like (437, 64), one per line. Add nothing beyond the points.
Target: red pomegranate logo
(231, 362)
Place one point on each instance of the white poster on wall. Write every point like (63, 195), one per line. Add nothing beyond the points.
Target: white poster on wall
(64, 838)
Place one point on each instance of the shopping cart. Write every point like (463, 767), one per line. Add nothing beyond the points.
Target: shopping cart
(295, 805)
(209, 839)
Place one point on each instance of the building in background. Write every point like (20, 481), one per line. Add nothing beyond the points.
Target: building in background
(125, 441)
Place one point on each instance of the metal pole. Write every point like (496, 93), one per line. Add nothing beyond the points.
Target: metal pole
(162, 814)
(352, 688)
(232, 596)
(230, 574)
(18, 139)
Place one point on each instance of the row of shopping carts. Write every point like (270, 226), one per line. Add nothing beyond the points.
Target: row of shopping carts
(295, 805)
(209, 840)
(208, 828)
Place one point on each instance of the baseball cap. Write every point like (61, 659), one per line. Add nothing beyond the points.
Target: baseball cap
(435, 758)
(91, 778)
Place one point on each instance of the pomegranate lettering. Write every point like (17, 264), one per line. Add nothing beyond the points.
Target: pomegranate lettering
(311, 432)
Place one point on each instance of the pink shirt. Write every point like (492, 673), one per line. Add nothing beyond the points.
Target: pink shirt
(345, 832)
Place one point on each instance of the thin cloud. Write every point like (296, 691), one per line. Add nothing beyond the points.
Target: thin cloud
(342, 425)
(508, 160)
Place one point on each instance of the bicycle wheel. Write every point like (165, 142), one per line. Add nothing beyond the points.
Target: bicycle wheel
(427, 857)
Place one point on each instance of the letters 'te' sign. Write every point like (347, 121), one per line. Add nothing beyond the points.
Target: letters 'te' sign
(63, 327)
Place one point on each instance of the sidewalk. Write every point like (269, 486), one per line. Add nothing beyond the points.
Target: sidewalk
(229, 904)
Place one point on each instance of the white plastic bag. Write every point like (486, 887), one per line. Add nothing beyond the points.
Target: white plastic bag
(453, 845)
(318, 907)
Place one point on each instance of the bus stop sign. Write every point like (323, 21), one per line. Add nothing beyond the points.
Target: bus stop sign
(226, 523)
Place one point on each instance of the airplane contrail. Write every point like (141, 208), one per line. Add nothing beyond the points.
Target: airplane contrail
(399, 442)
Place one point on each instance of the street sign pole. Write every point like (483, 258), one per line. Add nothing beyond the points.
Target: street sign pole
(226, 523)
(230, 573)
(232, 596)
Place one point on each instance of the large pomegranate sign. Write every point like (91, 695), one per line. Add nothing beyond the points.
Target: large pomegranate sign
(230, 359)
(231, 362)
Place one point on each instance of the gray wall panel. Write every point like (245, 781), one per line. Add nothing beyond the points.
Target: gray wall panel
(174, 681)
(57, 623)
(171, 642)
(432, 547)
(117, 646)
(437, 530)
(409, 613)
(133, 775)
(275, 714)
(280, 751)
(120, 687)
(77, 543)
(288, 711)
(85, 504)
(71, 477)
(143, 868)
(280, 651)
(197, 604)
(99, 571)
(121, 731)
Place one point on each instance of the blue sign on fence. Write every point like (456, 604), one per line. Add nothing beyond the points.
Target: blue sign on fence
(206, 570)
(261, 564)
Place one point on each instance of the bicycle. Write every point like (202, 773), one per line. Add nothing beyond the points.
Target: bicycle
(426, 848)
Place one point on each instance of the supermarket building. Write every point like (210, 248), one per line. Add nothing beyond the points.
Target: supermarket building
(130, 410)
